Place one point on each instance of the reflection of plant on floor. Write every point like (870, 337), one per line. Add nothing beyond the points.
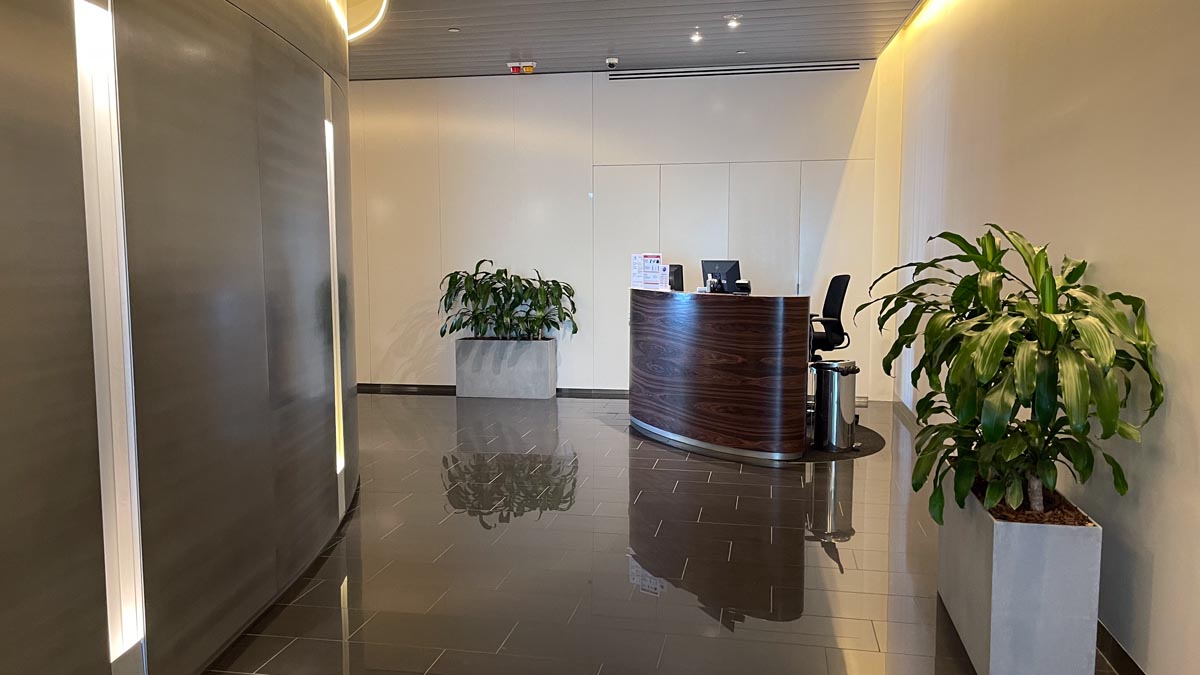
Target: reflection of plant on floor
(509, 485)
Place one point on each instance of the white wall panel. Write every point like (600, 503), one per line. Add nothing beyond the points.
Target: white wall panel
(744, 118)
(836, 227)
(1096, 156)
(450, 171)
(764, 224)
(626, 222)
(551, 179)
(476, 157)
(400, 179)
(694, 216)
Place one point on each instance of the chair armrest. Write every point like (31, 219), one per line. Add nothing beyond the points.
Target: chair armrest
(824, 321)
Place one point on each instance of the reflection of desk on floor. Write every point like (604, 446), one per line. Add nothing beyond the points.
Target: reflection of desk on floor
(716, 372)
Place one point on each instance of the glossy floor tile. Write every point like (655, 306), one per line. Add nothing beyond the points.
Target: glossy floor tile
(532, 537)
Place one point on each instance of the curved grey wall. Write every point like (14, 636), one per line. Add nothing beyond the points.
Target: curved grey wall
(53, 616)
(310, 26)
(223, 147)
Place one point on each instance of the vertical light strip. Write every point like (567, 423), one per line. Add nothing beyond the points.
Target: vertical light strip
(335, 299)
(345, 595)
(111, 341)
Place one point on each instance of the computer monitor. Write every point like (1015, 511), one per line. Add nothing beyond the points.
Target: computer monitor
(675, 277)
(727, 271)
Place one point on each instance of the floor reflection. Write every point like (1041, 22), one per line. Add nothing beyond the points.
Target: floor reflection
(766, 580)
(497, 489)
(542, 537)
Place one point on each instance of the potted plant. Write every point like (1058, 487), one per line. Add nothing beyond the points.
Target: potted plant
(510, 353)
(1026, 369)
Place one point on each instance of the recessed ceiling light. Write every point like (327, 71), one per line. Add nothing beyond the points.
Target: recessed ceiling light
(733, 20)
(696, 37)
(454, 30)
(741, 51)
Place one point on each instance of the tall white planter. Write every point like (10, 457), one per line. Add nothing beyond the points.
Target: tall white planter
(1023, 597)
(506, 368)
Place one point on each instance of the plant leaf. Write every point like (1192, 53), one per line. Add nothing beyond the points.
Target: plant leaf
(1107, 395)
(965, 471)
(1047, 291)
(1072, 270)
(937, 504)
(1101, 306)
(1021, 244)
(1048, 473)
(1014, 496)
(1076, 390)
(921, 469)
(990, 284)
(1045, 401)
(1080, 454)
(992, 345)
(963, 296)
(1025, 369)
(1096, 338)
(1119, 481)
(995, 492)
(1128, 431)
(998, 408)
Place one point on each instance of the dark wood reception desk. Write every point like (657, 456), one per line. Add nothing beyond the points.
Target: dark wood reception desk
(720, 373)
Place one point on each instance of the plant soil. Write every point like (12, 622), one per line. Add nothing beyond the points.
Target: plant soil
(1058, 511)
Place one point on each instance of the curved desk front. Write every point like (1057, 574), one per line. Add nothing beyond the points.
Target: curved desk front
(720, 373)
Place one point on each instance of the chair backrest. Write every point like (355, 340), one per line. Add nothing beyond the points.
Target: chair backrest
(835, 297)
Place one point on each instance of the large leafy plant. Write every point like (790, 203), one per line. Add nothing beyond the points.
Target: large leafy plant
(1026, 367)
(505, 306)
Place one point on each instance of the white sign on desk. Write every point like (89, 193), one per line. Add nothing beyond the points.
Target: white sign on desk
(647, 271)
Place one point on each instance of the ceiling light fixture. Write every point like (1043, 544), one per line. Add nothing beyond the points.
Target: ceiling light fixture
(351, 36)
(696, 37)
(454, 30)
(741, 51)
(733, 20)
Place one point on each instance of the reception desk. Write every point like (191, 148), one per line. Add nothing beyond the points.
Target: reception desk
(720, 373)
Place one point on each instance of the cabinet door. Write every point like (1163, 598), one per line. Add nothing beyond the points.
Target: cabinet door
(695, 217)
(764, 224)
(626, 222)
(836, 233)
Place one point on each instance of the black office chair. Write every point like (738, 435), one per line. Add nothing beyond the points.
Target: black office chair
(832, 334)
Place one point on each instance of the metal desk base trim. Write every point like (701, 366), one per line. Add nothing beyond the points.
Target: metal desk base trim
(685, 443)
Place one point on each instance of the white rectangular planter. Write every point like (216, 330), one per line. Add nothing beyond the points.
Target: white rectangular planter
(1022, 596)
(506, 368)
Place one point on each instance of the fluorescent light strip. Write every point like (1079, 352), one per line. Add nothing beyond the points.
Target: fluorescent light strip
(371, 26)
(335, 301)
(111, 339)
(339, 14)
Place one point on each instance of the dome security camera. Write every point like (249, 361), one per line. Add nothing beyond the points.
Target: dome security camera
(611, 62)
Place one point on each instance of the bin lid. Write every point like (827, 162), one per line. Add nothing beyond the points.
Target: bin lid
(842, 367)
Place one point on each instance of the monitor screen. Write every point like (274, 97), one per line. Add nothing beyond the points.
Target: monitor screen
(727, 271)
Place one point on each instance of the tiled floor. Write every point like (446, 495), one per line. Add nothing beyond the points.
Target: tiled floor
(497, 537)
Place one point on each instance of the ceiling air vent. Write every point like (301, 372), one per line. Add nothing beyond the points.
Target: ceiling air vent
(669, 73)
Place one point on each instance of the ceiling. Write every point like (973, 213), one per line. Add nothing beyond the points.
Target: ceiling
(414, 39)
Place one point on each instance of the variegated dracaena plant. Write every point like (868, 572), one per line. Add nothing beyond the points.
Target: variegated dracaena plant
(1026, 368)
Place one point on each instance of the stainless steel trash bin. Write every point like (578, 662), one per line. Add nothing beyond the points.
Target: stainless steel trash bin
(833, 419)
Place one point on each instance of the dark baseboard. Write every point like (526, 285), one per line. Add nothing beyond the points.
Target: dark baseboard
(1116, 655)
(594, 393)
(407, 389)
(448, 390)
